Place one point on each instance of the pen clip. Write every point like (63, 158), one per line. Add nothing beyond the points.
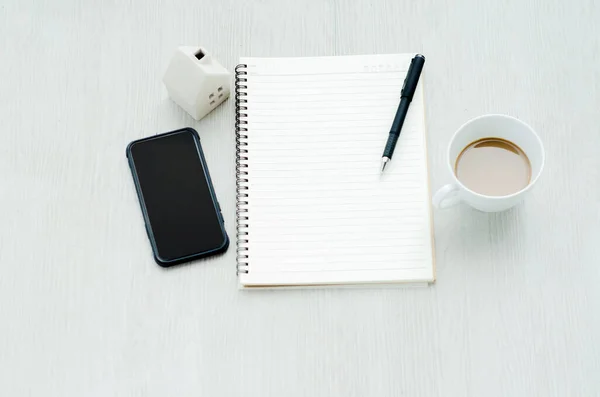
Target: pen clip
(406, 77)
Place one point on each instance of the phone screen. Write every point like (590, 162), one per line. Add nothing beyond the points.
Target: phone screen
(182, 217)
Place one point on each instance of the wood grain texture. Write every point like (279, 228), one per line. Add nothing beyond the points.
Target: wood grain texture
(85, 311)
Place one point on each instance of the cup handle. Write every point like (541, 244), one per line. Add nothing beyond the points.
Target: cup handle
(446, 197)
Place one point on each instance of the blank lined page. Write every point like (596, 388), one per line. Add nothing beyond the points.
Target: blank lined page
(319, 211)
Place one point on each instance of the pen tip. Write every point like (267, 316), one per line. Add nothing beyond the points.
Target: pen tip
(384, 162)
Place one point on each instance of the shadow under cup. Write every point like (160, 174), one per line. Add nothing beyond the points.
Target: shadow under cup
(502, 127)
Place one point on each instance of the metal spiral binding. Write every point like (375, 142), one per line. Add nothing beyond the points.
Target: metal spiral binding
(241, 165)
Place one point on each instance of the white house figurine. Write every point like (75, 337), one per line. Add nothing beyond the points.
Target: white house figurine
(196, 81)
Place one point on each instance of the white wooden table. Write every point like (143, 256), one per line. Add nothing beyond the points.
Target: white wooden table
(84, 311)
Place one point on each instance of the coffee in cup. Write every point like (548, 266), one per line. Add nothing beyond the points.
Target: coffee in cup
(494, 160)
(494, 167)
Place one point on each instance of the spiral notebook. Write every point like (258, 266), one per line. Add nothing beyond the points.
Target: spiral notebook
(313, 208)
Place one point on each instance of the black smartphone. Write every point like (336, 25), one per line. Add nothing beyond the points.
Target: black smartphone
(182, 215)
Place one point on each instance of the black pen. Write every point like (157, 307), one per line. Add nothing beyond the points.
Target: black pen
(406, 96)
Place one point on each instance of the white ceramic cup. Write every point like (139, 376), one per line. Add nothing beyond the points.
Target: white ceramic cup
(490, 126)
